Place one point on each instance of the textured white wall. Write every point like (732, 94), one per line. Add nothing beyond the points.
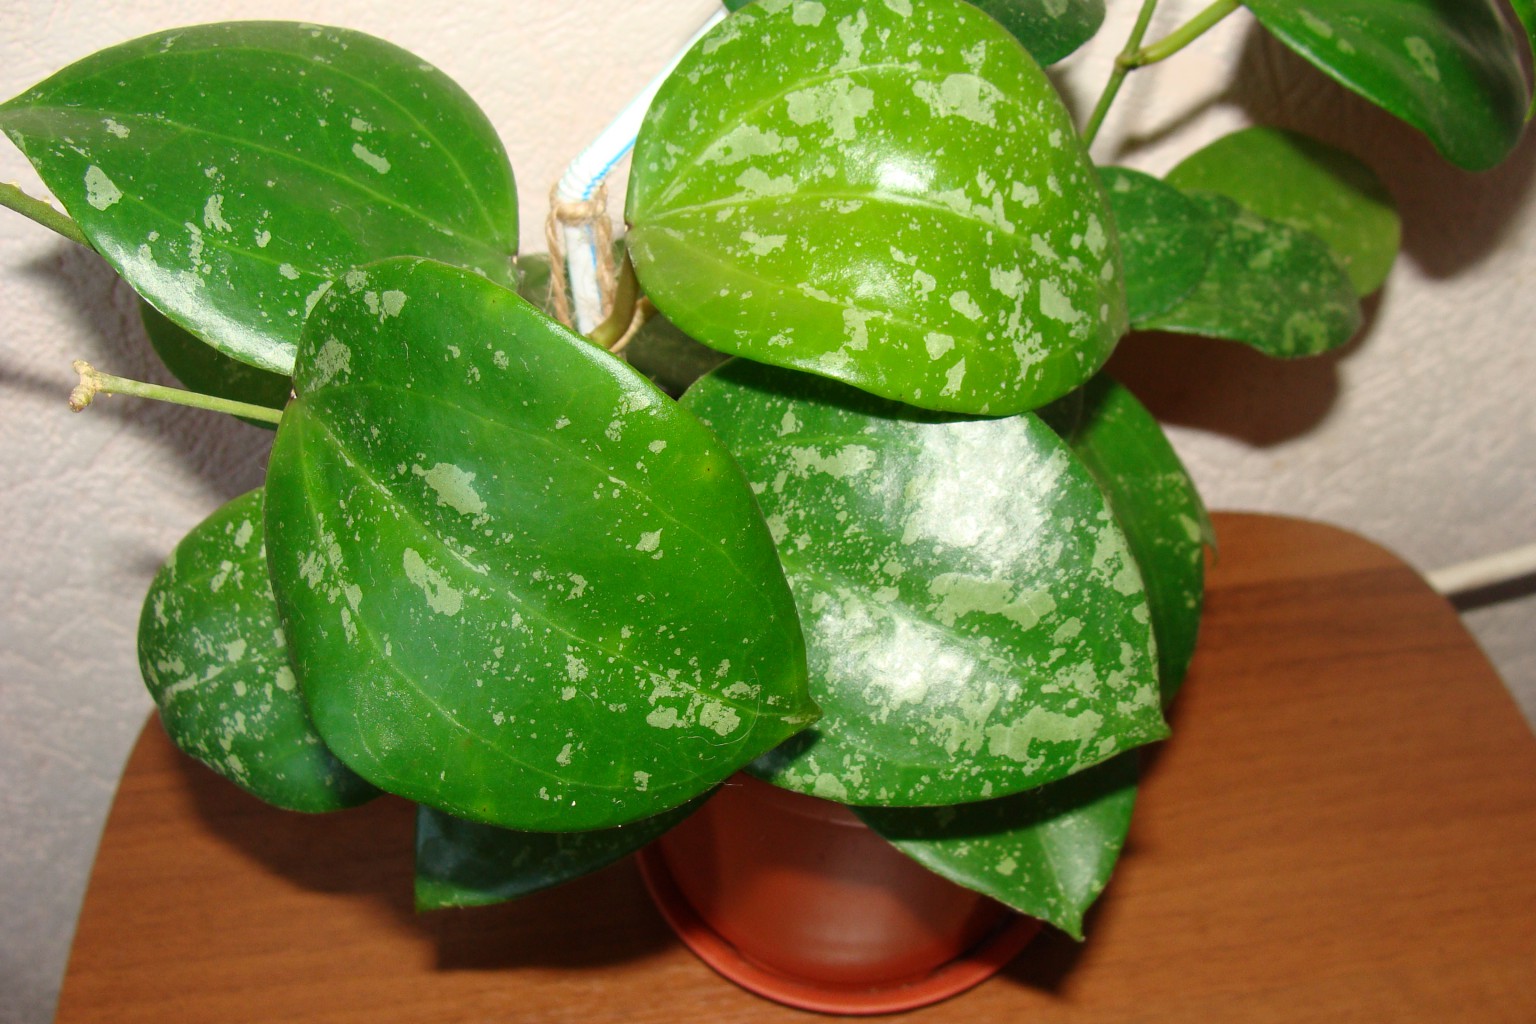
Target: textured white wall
(1420, 435)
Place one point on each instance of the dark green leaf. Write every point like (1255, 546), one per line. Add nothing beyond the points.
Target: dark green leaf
(1306, 184)
(466, 864)
(887, 195)
(1160, 510)
(520, 584)
(671, 359)
(1165, 240)
(533, 280)
(207, 370)
(214, 659)
(1525, 10)
(1450, 68)
(1047, 853)
(1049, 29)
(974, 620)
(1267, 285)
(230, 172)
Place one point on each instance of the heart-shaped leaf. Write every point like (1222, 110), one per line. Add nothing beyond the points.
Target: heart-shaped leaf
(1165, 240)
(1157, 505)
(1267, 285)
(205, 369)
(520, 584)
(214, 659)
(1450, 68)
(1306, 184)
(1047, 853)
(1049, 29)
(466, 864)
(974, 621)
(229, 172)
(891, 195)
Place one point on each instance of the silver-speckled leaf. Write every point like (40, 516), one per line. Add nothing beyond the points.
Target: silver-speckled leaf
(1267, 285)
(519, 583)
(888, 194)
(1047, 853)
(229, 172)
(975, 622)
(1049, 29)
(1307, 184)
(1157, 505)
(466, 864)
(214, 658)
(1165, 239)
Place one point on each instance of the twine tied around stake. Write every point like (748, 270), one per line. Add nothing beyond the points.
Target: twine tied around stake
(567, 213)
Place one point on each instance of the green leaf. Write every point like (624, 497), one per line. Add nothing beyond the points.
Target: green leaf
(1165, 240)
(974, 621)
(207, 370)
(1267, 285)
(1049, 29)
(1525, 10)
(520, 584)
(895, 200)
(1306, 184)
(1450, 68)
(466, 864)
(1047, 853)
(668, 357)
(213, 656)
(229, 172)
(1157, 505)
(533, 280)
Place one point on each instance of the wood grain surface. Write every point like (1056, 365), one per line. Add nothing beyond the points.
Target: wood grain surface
(1343, 829)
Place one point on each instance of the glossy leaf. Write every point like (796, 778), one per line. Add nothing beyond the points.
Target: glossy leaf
(519, 583)
(205, 369)
(229, 172)
(1049, 29)
(1306, 184)
(1157, 505)
(1450, 68)
(668, 357)
(974, 621)
(1047, 853)
(1165, 240)
(1267, 285)
(215, 661)
(890, 195)
(466, 864)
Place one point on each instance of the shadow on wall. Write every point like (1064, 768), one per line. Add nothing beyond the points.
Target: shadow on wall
(1453, 220)
(227, 456)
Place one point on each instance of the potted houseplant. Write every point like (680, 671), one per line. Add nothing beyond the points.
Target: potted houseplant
(909, 551)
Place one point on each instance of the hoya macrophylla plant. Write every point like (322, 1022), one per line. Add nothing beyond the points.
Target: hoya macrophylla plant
(495, 571)
(888, 194)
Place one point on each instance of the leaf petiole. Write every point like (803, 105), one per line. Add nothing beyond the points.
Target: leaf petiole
(93, 382)
(12, 197)
(1121, 69)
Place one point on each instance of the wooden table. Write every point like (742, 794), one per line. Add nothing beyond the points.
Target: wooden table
(1344, 829)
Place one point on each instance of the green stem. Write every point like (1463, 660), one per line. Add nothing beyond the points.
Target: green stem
(1185, 34)
(1117, 76)
(608, 333)
(13, 197)
(93, 382)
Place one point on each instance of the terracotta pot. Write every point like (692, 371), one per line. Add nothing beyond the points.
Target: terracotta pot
(796, 899)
